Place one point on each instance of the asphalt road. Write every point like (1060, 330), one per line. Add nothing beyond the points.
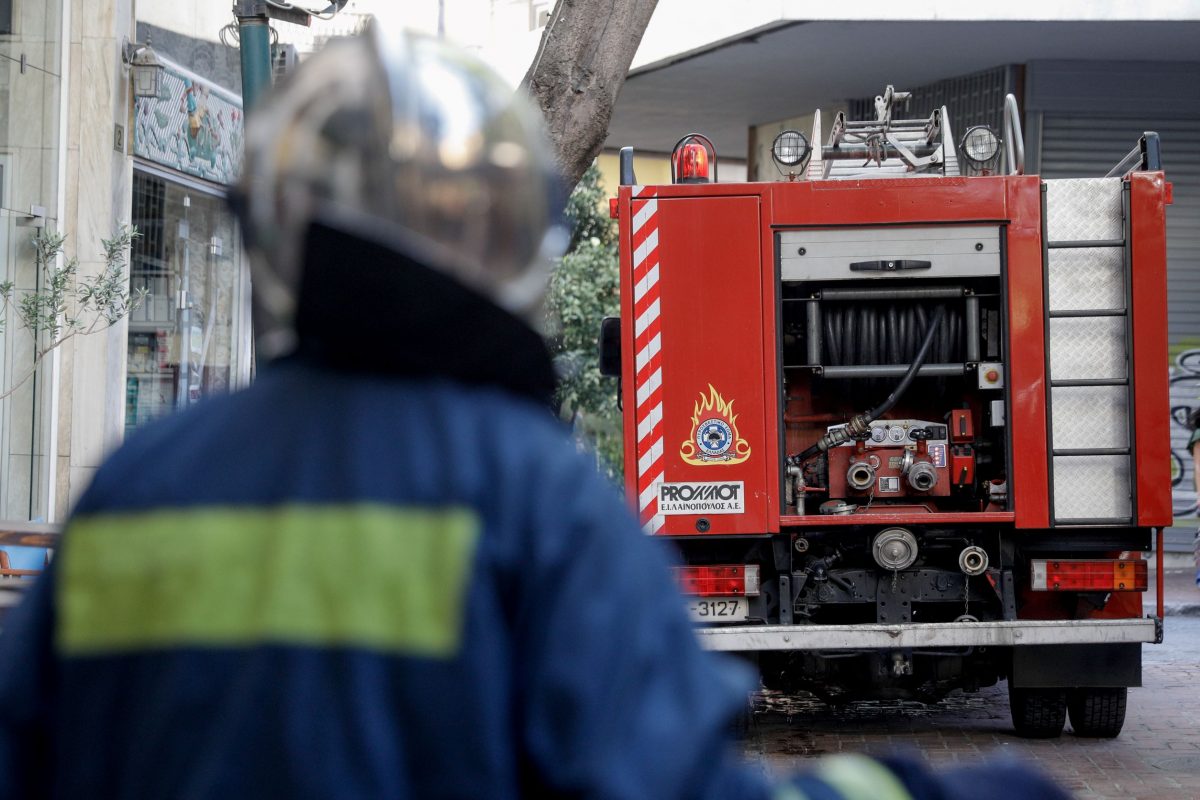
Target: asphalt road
(1156, 756)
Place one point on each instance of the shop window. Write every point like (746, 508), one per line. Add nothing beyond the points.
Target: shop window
(185, 337)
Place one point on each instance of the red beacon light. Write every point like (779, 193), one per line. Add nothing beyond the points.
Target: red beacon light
(690, 160)
(691, 164)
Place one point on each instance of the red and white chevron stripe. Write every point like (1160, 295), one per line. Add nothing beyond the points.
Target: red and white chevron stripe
(647, 347)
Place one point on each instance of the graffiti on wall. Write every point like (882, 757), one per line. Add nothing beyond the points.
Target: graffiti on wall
(1185, 398)
(192, 126)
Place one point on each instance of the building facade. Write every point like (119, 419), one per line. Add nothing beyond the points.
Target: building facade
(1089, 80)
(79, 155)
(65, 172)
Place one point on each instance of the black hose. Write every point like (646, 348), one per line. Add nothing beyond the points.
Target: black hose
(913, 368)
(861, 422)
(867, 323)
(887, 334)
(849, 340)
(943, 353)
(830, 336)
(881, 338)
(955, 330)
(893, 336)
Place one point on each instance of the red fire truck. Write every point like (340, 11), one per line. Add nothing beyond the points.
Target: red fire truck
(904, 412)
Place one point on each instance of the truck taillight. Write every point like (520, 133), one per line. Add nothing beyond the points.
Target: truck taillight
(719, 580)
(1088, 575)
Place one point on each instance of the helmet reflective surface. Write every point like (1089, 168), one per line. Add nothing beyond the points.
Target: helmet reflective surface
(396, 136)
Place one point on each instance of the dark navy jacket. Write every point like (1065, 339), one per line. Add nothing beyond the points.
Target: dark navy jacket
(575, 669)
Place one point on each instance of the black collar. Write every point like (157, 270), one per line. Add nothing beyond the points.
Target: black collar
(364, 307)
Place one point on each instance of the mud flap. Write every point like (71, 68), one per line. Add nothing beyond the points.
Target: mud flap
(1077, 665)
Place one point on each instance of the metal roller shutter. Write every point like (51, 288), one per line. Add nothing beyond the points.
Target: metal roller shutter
(1083, 146)
(1087, 147)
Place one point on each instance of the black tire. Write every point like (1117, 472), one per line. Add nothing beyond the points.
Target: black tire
(1097, 713)
(1038, 713)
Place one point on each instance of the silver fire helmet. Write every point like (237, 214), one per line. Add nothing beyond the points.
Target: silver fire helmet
(398, 133)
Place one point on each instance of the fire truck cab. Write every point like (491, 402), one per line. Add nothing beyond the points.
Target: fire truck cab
(903, 412)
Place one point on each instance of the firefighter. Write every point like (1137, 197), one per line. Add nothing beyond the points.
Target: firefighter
(382, 570)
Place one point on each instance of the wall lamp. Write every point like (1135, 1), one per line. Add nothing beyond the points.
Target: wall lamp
(146, 68)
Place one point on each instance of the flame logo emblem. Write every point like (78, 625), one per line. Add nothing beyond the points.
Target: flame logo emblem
(715, 438)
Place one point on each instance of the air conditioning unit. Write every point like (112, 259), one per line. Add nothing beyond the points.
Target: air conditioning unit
(284, 59)
(539, 14)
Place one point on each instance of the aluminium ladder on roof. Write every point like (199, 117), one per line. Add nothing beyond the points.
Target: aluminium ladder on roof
(884, 148)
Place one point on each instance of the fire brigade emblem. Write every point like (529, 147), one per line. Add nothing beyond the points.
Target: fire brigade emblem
(715, 438)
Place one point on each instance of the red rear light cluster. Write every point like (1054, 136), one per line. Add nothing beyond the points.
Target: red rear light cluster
(720, 580)
(1088, 575)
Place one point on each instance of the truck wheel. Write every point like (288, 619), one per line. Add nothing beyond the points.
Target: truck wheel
(1097, 713)
(1037, 713)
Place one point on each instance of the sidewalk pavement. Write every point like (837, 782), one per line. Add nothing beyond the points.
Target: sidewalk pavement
(1181, 596)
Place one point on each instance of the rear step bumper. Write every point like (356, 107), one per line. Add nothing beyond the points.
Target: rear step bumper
(1017, 633)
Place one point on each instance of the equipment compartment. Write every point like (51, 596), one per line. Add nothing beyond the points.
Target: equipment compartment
(881, 413)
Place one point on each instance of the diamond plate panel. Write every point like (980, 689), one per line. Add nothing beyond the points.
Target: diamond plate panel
(1092, 487)
(1089, 278)
(1080, 209)
(1089, 417)
(1083, 348)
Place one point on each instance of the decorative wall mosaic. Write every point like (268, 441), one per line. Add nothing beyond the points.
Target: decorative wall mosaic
(192, 126)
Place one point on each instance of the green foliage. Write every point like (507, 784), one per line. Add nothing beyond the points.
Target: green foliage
(65, 305)
(584, 289)
(586, 213)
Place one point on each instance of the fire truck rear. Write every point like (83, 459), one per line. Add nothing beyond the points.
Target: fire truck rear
(904, 411)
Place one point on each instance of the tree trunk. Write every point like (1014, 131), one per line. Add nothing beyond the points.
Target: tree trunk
(579, 70)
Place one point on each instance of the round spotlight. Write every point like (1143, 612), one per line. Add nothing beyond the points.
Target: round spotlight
(980, 145)
(790, 148)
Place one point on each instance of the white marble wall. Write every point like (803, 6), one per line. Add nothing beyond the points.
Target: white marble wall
(91, 377)
(30, 84)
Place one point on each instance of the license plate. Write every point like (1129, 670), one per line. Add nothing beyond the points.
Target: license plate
(719, 609)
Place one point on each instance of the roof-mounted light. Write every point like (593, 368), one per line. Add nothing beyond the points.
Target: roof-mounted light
(691, 159)
(791, 148)
(980, 148)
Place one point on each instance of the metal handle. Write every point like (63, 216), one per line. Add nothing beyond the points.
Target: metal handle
(889, 265)
(1014, 141)
(627, 176)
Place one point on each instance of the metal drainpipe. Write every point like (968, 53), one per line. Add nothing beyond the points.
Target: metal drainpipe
(184, 311)
(254, 36)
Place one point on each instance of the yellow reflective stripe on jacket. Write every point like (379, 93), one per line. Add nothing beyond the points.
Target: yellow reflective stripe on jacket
(860, 778)
(363, 575)
(786, 792)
